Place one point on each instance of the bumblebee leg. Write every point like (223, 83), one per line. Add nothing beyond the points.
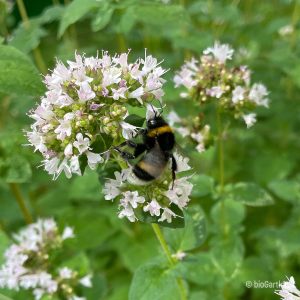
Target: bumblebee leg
(138, 149)
(124, 154)
(174, 168)
(127, 143)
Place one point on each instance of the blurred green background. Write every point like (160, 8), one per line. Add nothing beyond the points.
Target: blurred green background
(264, 243)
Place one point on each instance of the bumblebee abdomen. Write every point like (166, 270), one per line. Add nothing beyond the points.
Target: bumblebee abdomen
(142, 174)
(152, 165)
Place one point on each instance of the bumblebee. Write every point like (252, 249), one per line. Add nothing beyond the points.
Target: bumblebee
(155, 151)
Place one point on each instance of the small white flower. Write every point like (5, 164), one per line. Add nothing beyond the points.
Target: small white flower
(258, 94)
(289, 290)
(180, 192)
(128, 131)
(92, 62)
(74, 165)
(61, 73)
(82, 144)
(180, 255)
(238, 94)
(74, 297)
(36, 139)
(78, 64)
(128, 213)
(173, 118)
(167, 215)
(68, 150)
(111, 190)
(131, 198)
(182, 163)
(111, 76)
(51, 165)
(183, 131)
(38, 293)
(81, 78)
(185, 77)
(85, 93)
(215, 91)
(64, 166)
(137, 94)
(250, 119)
(149, 63)
(65, 127)
(66, 273)
(151, 112)
(119, 93)
(221, 52)
(198, 137)
(153, 207)
(68, 233)
(86, 281)
(286, 30)
(93, 159)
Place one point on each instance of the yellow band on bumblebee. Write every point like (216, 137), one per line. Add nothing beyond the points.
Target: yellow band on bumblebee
(160, 130)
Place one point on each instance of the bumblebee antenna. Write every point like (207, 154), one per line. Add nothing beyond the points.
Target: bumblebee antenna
(161, 108)
(154, 111)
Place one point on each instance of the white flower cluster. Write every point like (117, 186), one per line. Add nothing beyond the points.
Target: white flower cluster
(210, 79)
(88, 98)
(289, 290)
(199, 136)
(26, 262)
(154, 198)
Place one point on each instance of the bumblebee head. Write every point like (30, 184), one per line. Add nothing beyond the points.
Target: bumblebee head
(156, 122)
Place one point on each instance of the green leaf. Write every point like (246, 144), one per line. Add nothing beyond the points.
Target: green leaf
(79, 262)
(157, 14)
(4, 243)
(102, 17)
(192, 235)
(85, 187)
(83, 163)
(137, 250)
(288, 190)
(107, 170)
(89, 222)
(135, 120)
(203, 185)
(102, 143)
(231, 212)
(76, 10)
(2, 297)
(251, 194)
(98, 289)
(18, 170)
(50, 14)
(26, 39)
(153, 281)
(17, 73)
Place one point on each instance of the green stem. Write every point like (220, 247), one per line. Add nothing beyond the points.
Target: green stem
(221, 169)
(172, 262)
(220, 151)
(163, 243)
(39, 60)
(36, 52)
(23, 13)
(15, 189)
(122, 43)
(295, 19)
